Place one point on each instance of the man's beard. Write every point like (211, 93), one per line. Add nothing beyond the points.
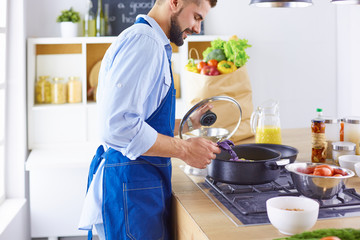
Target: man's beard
(176, 35)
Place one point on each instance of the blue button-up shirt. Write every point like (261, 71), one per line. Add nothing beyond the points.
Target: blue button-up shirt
(133, 80)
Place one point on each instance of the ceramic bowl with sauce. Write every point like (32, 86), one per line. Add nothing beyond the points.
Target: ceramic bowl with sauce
(292, 215)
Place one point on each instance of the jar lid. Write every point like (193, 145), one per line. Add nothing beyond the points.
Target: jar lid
(216, 124)
(352, 120)
(349, 146)
(331, 120)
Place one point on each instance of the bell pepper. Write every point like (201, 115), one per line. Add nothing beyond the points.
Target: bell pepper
(226, 67)
(191, 66)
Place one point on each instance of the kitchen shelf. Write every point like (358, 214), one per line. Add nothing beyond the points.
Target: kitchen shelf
(50, 124)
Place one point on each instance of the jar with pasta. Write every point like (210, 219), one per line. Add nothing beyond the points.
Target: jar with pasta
(43, 90)
(58, 91)
(74, 90)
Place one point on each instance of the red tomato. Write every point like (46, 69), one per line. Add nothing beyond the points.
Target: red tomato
(200, 65)
(322, 171)
(330, 238)
(339, 171)
(308, 170)
(212, 62)
(337, 175)
(326, 166)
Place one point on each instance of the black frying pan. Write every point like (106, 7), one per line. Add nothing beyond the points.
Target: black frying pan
(264, 167)
(287, 152)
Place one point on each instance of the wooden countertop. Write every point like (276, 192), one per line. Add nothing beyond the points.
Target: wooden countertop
(197, 217)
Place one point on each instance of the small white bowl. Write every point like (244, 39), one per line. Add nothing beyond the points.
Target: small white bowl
(348, 161)
(292, 215)
(357, 168)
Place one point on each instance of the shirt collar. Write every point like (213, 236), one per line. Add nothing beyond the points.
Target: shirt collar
(156, 27)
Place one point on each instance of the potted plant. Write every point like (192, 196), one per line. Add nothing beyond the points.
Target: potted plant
(69, 20)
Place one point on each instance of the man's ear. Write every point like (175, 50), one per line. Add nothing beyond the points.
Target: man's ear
(174, 4)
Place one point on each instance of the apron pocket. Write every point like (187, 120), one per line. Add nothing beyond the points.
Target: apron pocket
(144, 209)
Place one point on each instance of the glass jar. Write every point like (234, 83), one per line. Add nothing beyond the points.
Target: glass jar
(58, 92)
(342, 148)
(332, 133)
(319, 146)
(74, 90)
(352, 131)
(43, 90)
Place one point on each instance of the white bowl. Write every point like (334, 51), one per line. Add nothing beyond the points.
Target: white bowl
(357, 168)
(348, 161)
(292, 215)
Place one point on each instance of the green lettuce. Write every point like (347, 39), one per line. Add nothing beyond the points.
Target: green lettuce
(234, 50)
(343, 234)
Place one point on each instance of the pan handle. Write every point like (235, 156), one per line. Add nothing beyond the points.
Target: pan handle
(274, 165)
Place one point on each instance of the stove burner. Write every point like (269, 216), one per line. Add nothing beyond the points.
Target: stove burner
(248, 202)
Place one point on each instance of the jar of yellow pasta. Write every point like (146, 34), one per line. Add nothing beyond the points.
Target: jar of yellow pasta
(74, 90)
(43, 90)
(58, 91)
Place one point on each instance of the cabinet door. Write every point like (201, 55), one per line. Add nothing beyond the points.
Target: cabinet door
(57, 125)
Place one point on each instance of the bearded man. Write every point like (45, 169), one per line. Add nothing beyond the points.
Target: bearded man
(129, 183)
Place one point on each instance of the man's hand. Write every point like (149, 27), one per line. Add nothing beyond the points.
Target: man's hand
(200, 152)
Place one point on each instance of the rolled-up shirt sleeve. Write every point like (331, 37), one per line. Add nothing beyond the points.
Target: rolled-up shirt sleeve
(128, 93)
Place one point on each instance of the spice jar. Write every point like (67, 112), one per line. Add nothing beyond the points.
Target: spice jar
(342, 148)
(58, 91)
(43, 90)
(74, 90)
(332, 133)
(319, 145)
(352, 131)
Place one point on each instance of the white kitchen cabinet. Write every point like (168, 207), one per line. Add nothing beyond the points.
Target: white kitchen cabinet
(68, 123)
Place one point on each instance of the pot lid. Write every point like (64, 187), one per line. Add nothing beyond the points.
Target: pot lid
(216, 118)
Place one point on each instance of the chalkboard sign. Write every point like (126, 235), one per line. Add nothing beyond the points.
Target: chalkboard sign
(122, 13)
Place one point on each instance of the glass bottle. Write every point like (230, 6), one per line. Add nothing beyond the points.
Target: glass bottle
(90, 22)
(108, 29)
(58, 92)
(319, 144)
(100, 23)
(74, 90)
(43, 90)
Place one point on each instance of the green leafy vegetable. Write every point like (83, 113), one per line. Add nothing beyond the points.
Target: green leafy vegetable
(343, 234)
(216, 54)
(216, 44)
(234, 50)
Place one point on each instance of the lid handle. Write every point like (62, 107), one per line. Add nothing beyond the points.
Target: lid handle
(208, 118)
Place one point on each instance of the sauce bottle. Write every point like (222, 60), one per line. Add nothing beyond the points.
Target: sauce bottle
(319, 144)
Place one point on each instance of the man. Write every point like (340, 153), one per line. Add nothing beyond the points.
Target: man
(129, 187)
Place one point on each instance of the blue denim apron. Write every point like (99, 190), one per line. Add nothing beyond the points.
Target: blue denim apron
(137, 193)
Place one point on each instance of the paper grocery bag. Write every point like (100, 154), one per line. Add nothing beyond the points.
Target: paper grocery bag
(236, 85)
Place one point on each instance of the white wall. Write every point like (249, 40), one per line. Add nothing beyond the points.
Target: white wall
(16, 146)
(292, 58)
(293, 54)
(348, 39)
